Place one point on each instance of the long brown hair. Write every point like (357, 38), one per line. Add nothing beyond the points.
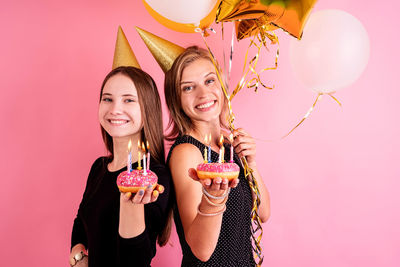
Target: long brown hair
(152, 130)
(179, 123)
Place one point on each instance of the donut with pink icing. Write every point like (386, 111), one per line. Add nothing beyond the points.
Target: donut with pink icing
(214, 170)
(135, 180)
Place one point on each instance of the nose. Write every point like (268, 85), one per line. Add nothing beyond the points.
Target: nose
(203, 91)
(116, 108)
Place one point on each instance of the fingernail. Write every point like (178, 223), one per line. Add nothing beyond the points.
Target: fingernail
(224, 181)
(141, 192)
(149, 186)
(155, 193)
(161, 188)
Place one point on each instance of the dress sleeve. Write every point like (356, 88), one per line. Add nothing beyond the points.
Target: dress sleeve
(139, 250)
(78, 235)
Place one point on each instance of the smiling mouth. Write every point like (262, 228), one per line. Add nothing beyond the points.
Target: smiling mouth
(117, 122)
(206, 105)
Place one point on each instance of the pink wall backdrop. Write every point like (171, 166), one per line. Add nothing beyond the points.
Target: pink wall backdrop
(334, 182)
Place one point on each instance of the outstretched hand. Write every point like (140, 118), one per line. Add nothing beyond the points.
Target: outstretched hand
(143, 196)
(216, 186)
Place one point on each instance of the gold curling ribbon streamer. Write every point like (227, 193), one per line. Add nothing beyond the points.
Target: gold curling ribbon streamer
(252, 64)
(256, 228)
(311, 110)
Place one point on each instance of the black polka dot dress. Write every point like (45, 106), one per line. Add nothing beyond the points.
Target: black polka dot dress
(234, 242)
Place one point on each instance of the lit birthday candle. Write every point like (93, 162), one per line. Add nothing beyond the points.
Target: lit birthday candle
(231, 140)
(205, 150)
(139, 155)
(144, 160)
(148, 155)
(221, 149)
(129, 163)
(209, 148)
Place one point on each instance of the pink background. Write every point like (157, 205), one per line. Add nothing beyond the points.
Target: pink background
(333, 182)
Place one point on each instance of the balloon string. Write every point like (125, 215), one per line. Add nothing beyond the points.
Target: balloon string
(231, 55)
(223, 50)
(334, 98)
(307, 114)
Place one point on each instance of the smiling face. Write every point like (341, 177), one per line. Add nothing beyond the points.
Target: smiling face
(119, 109)
(201, 93)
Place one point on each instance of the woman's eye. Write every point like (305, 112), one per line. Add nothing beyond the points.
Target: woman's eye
(106, 99)
(208, 81)
(187, 88)
(129, 100)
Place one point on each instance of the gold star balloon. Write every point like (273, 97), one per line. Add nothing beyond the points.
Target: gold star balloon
(289, 15)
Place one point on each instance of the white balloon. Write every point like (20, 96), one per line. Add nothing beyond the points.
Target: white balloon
(332, 53)
(183, 11)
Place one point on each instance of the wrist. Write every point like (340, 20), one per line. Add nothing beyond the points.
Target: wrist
(252, 165)
(77, 257)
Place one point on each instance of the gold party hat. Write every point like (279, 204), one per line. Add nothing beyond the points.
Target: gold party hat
(163, 51)
(123, 54)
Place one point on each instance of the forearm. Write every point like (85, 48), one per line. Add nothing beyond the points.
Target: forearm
(202, 235)
(131, 220)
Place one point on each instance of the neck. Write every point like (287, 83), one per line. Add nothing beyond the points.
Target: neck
(120, 151)
(203, 129)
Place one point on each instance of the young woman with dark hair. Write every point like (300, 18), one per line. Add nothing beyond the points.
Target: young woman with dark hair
(112, 228)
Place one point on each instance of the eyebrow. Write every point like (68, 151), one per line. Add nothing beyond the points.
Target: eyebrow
(211, 72)
(108, 94)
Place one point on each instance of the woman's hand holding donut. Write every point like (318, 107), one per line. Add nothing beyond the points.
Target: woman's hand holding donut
(217, 186)
(245, 146)
(131, 213)
(142, 196)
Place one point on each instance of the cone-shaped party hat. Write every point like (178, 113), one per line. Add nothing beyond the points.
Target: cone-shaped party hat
(163, 51)
(123, 54)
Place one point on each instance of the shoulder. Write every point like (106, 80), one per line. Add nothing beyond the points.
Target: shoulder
(185, 153)
(98, 166)
(101, 161)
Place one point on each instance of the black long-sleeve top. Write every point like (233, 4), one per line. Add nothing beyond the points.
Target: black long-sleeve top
(97, 221)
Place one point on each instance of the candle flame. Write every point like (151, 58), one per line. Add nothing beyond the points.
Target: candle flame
(129, 145)
(147, 145)
(206, 139)
(231, 138)
(221, 140)
(209, 139)
(138, 144)
(143, 148)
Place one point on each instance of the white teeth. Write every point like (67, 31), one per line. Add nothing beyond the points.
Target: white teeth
(118, 122)
(206, 105)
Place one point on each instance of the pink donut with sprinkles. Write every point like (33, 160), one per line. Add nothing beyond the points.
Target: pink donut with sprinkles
(214, 170)
(136, 180)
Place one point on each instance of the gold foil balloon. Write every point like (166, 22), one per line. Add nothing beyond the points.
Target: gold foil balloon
(183, 16)
(251, 27)
(289, 15)
(162, 50)
(123, 54)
